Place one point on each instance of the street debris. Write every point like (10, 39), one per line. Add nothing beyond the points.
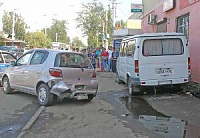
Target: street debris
(125, 115)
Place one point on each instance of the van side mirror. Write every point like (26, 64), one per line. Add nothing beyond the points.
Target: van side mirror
(12, 63)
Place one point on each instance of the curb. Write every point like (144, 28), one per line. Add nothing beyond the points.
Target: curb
(31, 121)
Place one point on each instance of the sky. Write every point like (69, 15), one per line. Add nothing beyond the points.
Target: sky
(38, 14)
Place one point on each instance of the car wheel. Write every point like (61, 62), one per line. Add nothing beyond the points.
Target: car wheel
(90, 98)
(6, 86)
(45, 98)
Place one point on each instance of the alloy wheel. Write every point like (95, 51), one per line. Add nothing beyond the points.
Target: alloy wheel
(42, 94)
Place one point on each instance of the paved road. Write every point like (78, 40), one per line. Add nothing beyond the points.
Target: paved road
(112, 114)
(15, 111)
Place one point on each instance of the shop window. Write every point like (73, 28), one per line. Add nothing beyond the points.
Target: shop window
(183, 25)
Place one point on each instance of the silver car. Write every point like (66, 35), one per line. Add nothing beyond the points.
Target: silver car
(52, 74)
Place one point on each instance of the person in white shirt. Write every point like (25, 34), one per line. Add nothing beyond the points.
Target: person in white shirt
(110, 59)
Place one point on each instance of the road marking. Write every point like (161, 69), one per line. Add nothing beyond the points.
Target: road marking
(31, 121)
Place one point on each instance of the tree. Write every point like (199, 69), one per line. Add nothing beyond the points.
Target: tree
(90, 20)
(77, 42)
(58, 28)
(37, 40)
(20, 25)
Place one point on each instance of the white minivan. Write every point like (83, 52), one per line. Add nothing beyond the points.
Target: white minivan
(152, 60)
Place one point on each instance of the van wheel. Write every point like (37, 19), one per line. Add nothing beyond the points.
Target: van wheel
(177, 87)
(6, 86)
(45, 98)
(133, 90)
(130, 87)
(117, 78)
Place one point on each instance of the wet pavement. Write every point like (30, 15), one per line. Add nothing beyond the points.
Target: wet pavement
(13, 121)
(155, 121)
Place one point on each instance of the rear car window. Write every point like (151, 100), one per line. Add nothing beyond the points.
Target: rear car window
(72, 60)
(162, 47)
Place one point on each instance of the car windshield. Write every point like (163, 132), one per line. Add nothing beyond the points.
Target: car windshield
(73, 60)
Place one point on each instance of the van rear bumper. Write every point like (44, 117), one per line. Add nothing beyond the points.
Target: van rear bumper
(164, 82)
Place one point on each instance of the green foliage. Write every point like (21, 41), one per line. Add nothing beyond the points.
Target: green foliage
(37, 39)
(60, 28)
(77, 42)
(90, 20)
(20, 25)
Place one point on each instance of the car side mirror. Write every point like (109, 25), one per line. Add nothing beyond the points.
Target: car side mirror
(12, 63)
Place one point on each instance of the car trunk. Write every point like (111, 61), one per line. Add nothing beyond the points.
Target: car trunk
(77, 75)
(75, 67)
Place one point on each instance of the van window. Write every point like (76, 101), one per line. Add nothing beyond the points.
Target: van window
(161, 47)
(130, 48)
(122, 49)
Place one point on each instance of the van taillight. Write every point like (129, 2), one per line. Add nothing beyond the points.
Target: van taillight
(55, 72)
(136, 66)
(94, 74)
(189, 64)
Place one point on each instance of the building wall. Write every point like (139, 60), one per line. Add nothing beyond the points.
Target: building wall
(148, 5)
(182, 7)
(133, 24)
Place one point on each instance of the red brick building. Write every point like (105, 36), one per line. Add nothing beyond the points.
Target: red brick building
(178, 16)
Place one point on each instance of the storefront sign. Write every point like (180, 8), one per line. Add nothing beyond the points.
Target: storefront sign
(185, 3)
(136, 8)
(168, 5)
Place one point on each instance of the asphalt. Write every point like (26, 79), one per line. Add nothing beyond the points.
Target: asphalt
(113, 113)
(15, 111)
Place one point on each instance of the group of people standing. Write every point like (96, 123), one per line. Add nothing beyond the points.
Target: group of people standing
(104, 60)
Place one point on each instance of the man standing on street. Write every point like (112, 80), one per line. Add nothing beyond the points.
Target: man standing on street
(115, 55)
(110, 59)
(104, 57)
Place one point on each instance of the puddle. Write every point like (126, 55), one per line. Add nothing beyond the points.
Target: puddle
(169, 127)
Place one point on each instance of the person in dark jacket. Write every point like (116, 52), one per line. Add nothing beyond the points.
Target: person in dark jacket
(115, 55)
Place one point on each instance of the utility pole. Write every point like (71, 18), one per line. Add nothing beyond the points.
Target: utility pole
(45, 28)
(56, 37)
(106, 30)
(114, 9)
(13, 27)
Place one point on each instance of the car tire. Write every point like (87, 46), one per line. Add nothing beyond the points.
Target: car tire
(90, 98)
(45, 98)
(6, 86)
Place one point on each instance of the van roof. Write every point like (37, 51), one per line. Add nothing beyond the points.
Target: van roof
(154, 35)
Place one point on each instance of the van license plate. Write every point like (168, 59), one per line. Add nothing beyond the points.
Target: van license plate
(162, 71)
(161, 128)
